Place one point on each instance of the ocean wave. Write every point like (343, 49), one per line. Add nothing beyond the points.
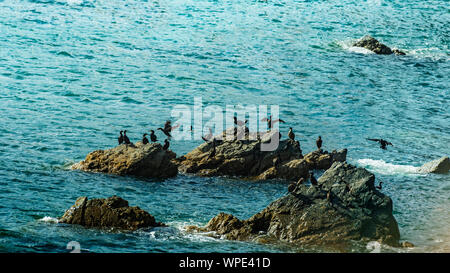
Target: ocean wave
(382, 167)
(348, 45)
(49, 219)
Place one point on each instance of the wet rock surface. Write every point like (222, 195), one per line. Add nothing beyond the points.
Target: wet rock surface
(372, 44)
(112, 212)
(344, 206)
(244, 158)
(146, 160)
(440, 166)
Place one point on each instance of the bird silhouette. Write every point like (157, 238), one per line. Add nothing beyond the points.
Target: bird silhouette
(144, 139)
(270, 122)
(379, 185)
(120, 139)
(291, 134)
(166, 144)
(125, 138)
(153, 137)
(383, 143)
(319, 143)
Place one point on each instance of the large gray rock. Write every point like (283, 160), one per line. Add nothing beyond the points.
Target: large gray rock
(149, 160)
(244, 158)
(441, 165)
(112, 212)
(344, 207)
(372, 44)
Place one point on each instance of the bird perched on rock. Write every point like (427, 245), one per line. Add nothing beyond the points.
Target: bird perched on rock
(213, 152)
(379, 185)
(120, 139)
(383, 143)
(153, 136)
(208, 136)
(291, 134)
(292, 187)
(319, 143)
(312, 179)
(239, 122)
(125, 138)
(166, 144)
(144, 139)
(270, 122)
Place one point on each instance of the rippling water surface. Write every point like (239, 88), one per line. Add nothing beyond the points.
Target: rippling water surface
(74, 73)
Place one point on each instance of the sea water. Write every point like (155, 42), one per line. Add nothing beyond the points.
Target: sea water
(74, 73)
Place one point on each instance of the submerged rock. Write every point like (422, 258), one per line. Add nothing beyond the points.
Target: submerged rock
(372, 44)
(345, 206)
(441, 166)
(147, 160)
(244, 158)
(112, 212)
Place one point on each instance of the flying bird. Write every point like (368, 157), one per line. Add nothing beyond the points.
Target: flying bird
(270, 122)
(383, 143)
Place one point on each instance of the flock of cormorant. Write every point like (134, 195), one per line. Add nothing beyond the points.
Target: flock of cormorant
(168, 128)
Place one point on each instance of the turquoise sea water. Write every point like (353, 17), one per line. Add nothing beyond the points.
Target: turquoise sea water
(74, 73)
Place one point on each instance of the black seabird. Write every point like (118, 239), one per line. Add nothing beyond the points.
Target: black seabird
(239, 122)
(125, 138)
(208, 136)
(312, 179)
(379, 185)
(319, 143)
(270, 122)
(383, 143)
(153, 136)
(166, 144)
(291, 134)
(213, 152)
(144, 139)
(166, 132)
(120, 139)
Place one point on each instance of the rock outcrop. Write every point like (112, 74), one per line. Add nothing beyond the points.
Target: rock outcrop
(441, 166)
(112, 212)
(149, 160)
(344, 207)
(244, 158)
(372, 44)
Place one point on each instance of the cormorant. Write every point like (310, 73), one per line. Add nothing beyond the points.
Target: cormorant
(166, 132)
(239, 122)
(383, 143)
(270, 122)
(292, 187)
(379, 185)
(208, 136)
(319, 142)
(153, 136)
(166, 144)
(144, 139)
(120, 138)
(213, 152)
(125, 138)
(168, 128)
(291, 134)
(312, 179)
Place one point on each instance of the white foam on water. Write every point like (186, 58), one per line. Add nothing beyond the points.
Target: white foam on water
(374, 246)
(348, 45)
(382, 167)
(49, 219)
